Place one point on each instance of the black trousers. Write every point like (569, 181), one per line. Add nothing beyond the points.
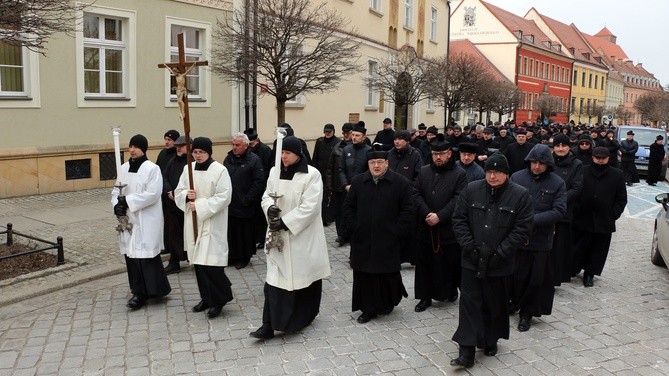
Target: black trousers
(591, 250)
(147, 277)
(483, 313)
(629, 171)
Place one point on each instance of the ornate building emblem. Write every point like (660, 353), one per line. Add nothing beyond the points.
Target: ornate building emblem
(469, 18)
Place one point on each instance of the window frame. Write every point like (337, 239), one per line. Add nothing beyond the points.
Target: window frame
(371, 95)
(128, 98)
(203, 98)
(30, 96)
(434, 17)
(408, 14)
(375, 5)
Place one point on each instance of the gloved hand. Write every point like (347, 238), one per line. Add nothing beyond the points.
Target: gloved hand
(276, 224)
(121, 207)
(273, 212)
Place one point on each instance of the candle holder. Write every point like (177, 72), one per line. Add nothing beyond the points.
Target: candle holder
(123, 221)
(273, 239)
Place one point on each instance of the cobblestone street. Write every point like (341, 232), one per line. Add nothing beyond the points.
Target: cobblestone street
(74, 321)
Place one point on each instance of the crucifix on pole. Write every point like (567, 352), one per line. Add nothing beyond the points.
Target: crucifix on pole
(180, 70)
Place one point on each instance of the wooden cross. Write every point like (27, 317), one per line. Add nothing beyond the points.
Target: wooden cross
(180, 71)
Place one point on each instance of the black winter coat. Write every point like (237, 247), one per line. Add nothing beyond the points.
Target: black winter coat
(602, 200)
(406, 162)
(248, 183)
(264, 152)
(322, 150)
(515, 154)
(164, 157)
(490, 225)
(353, 162)
(628, 150)
(549, 196)
(570, 170)
(332, 181)
(436, 191)
(385, 137)
(378, 217)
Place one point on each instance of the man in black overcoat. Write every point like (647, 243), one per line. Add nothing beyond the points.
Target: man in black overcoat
(628, 149)
(569, 168)
(516, 152)
(174, 217)
(602, 202)
(493, 217)
(322, 151)
(437, 251)
(657, 155)
(378, 212)
(263, 152)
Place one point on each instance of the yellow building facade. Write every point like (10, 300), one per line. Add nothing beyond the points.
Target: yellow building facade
(588, 94)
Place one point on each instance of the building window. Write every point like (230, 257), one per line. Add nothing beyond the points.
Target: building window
(19, 78)
(433, 24)
(408, 13)
(371, 97)
(106, 58)
(193, 41)
(430, 104)
(583, 79)
(105, 50)
(553, 72)
(525, 65)
(197, 44)
(375, 5)
(590, 81)
(596, 82)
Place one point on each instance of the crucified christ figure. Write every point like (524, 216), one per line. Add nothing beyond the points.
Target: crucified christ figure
(181, 89)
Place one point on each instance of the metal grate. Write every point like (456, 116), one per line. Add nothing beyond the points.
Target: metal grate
(78, 169)
(108, 166)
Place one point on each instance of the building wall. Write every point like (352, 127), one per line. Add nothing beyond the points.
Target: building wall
(593, 90)
(56, 123)
(614, 97)
(381, 31)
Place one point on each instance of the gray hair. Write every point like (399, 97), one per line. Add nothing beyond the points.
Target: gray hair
(480, 128)
(243, 136)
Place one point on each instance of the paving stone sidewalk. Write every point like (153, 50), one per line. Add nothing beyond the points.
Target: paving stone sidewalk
(619, 327)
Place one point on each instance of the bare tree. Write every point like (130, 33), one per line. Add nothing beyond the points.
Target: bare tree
(484, 96)
(298, 47)
(403, 80)
(547, 105)
(30, 23)
(454, 80)
(507, 99)
(653, 106)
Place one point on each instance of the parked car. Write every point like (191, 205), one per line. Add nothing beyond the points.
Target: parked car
(645, 136)
(659, 250)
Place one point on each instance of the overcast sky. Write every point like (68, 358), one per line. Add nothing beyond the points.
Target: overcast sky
(640, 25)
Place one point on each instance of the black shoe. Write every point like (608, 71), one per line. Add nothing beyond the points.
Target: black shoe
(242, 264)
(201, 306)
(214, 311)
(588, 280)
(524, 324)
(366, 317)
(164, 252)
(172, 268)
(465, 357)
(264, 332)
(341, 241)
(652, 184)
(136, 302)
(490, 350)
(452, 298)
(422, 305)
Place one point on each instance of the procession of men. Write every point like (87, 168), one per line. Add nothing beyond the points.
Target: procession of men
(498, 224)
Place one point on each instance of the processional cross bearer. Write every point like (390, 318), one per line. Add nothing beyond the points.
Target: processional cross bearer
(180, 71)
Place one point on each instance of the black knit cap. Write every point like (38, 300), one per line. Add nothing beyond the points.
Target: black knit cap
(422, 126)
(172, 134)
(376, 152)
(497, 162)
(347, 127)
(140, 142)
(433, 130)
(202, 143)
(404, 135)
(293, 145)
(251, 133)
(561, 139)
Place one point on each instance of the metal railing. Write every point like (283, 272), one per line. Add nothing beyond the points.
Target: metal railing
(58, 245)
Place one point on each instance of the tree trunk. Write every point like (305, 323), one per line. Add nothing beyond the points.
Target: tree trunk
(280, 112)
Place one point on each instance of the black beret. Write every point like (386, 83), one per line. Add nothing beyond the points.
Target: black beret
(404, 135)
(347, 127)
(600, 151)
(376, 152)
(468, 147)
(433, 130)
(251, 133)
(440, 143)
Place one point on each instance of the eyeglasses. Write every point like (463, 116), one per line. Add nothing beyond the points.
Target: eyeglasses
(439, 153)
